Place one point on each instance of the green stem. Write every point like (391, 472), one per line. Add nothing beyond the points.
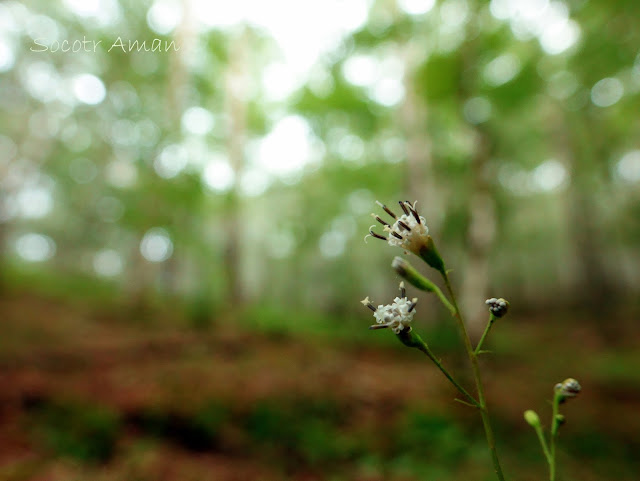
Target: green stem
(445, 301)
(543, 443)
(492, 319)
(555, 424)
(484, 412)
(410, 273)
(425, 348)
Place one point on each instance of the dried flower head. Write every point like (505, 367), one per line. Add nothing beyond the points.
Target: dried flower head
(498, 307)
(409, 231)
(397, 316)
(568, 388)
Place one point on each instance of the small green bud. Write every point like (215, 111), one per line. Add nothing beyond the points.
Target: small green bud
(532, 418)
(560, 419)
(408, 272)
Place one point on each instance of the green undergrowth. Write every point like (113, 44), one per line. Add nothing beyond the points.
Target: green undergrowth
(82, 431)
(320, 435)
(289, 434)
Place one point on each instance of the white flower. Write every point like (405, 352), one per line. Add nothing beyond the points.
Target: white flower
(397, 316)
(408, 231)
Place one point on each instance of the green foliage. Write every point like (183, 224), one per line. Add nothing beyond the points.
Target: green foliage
(440, 76)
(542, 110)
(201, 312)
(85, 432)
(307, 431)
(440, 437)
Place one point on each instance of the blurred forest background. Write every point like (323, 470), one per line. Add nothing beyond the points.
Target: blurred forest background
(184, 191)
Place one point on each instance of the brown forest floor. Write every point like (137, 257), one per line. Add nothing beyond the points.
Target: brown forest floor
(52, 353)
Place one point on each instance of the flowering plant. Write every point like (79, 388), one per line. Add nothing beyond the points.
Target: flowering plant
(410, 232)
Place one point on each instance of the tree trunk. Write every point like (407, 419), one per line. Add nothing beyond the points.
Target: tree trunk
(420, 182)
(177, 85)
(480, 236)
(236, 110)
(594, 285)
(481, 228)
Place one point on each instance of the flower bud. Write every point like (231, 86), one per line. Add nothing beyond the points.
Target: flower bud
(567, 389)
(532, 418)
(408, 272)
(497, 307)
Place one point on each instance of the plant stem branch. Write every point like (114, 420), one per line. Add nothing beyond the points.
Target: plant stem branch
(543, 443)
(484, 412)
(425, 348)
(445, 301)
(555, 424)
(492, 319)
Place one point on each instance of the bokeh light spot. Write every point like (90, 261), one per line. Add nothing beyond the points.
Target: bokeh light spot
(34, 202)
(34, 247)
(121, 173)
(156, 245)
(416, 7)
(164, 16)
(107, 263)
(88, 89)
(171, 161)
(332, 244)
(549, 175)
(360, 70)
(501, 70)
(607, 92)
(287, 148)
(254, 182)
(218, 174)
(477, 110)
(197, 121)
(7, 58)
(628, 167)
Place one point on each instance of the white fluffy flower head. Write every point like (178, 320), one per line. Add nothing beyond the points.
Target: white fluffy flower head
(409, 231)
(396, 316)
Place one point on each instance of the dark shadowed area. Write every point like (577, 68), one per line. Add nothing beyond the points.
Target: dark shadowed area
(185, 189)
